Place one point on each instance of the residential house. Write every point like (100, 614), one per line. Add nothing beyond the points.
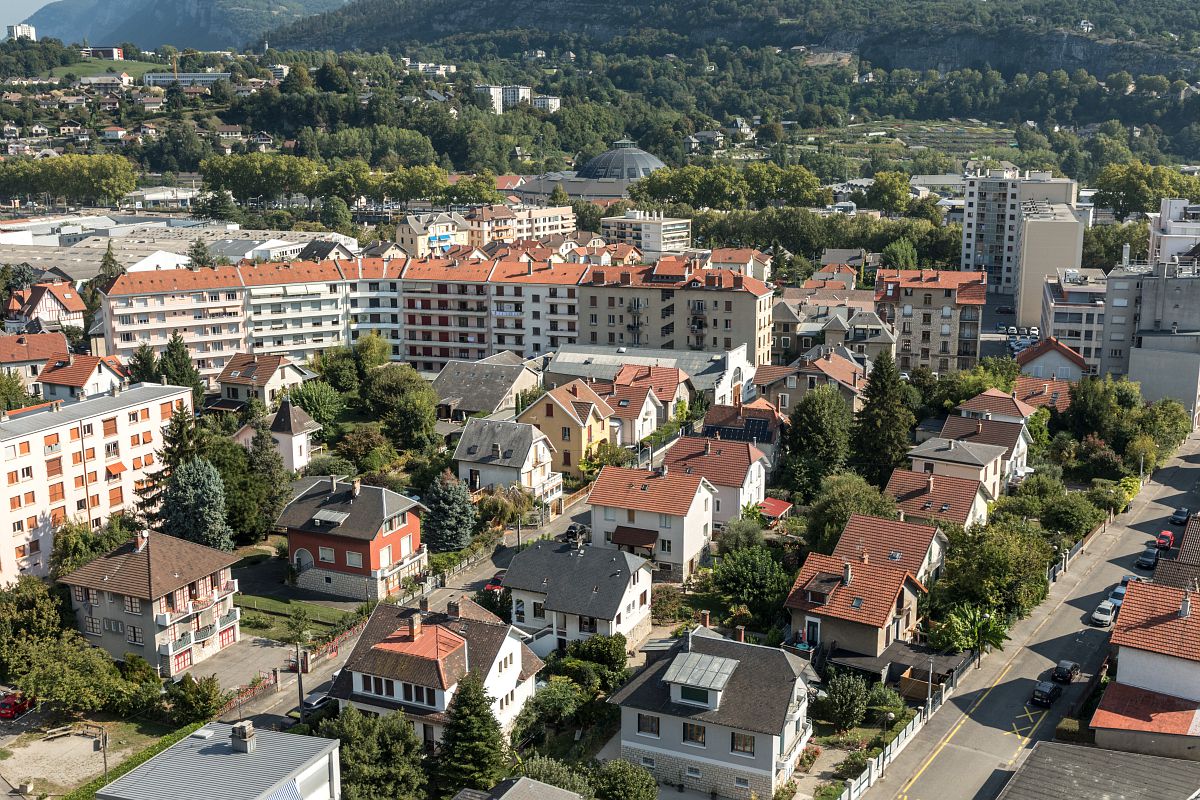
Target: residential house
(961, 459)
(563, 593)
(1050, 358)
(54, 305)
(918, 549)
(160, 597)
(236, 762)
(502, 453)
(636, 414)
(574, 418)
(266, 378)
(1153, 704)
(719, 717)
(352, 540)
(857, 611)
(936, 314)
(72, 377)
(25, 354)
(1012, 436)
(79, 460)
(1049, 393)
(737, 471)
(757, 422)
(933, 499)
(293, 432)
(997, 405)
(410, 661)
(662, 515)
(487, 386)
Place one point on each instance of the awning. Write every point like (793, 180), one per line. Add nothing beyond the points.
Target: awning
(634, 537)
(115, 468)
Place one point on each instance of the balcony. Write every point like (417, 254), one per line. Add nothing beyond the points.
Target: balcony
(171, 648)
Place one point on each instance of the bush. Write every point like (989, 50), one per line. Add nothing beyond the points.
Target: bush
(852, 765)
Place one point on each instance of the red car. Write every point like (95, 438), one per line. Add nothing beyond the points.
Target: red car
(13, 705)
(1165, 540)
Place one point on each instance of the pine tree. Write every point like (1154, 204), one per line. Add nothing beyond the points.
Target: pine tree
(198, 255)
(472, 753)
(177, 367)
(181, 442)
(193, 505)
(268, 474)
(880, 439)
(451, 516)
(143, 365)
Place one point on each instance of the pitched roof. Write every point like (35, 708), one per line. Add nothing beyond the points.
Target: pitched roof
(1150, 620)
(969, 287)
(476, 386)
(31, 347)
(869, 598)
(721, 462)
(329, 507)
(252, 369)
(162, 565)
(1053, 770)
(72, 370)
(590, 581)
(757, 697)
(941, 497)
(997, 402)
(497, 443)
(957, 452)
(885, 541)
(620, 487)
(984, 431)
(1048, 345)
(1043, 392)
(1130, 708)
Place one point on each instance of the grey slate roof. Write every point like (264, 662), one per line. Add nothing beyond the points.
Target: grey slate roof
(1053, 771)
(292, 420)
(473, 386)
(589, 581)
(203, 768)
(602, 363)
(514, 439)
(756, 698)
(939, 449)
(365, 513)
(32, 422)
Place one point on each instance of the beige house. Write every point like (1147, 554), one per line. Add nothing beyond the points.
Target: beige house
(574, 418)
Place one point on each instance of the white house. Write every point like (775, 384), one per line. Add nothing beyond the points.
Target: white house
(663, 515)
(410, 661)
(636, 414)
(293, 432)
(565, 592)
(737, 471)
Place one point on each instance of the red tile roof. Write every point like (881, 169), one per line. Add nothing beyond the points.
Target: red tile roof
(873, 588)
(72, 370)
(923, 496)
(1043, 392)
(969, 288)
(1128, 708)
(1047, 345)
(31, 347)
(885, 541)
(1150, 620)
(984, 431)
(723, 463)
(642, 490)
(998, 402)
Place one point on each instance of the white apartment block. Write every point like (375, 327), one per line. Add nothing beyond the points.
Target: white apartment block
(1174, 230)
(1073, 312)
(650, 232)
(77, 461)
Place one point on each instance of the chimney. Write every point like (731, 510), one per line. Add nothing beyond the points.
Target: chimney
(741, 633)
(846, 574)
(705, 618)
(242, 737)
(143, 540)
(1185, 608)
(357, 486)
(864, 557)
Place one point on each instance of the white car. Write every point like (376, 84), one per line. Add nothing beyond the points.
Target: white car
(1104, 614)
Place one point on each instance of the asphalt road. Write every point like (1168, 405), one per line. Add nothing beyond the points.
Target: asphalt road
(969, 748)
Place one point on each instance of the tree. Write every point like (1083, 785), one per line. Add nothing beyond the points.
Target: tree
(739, 534)
(194, 505)
(319, 400)
(880, 437)
(900, 254)
(752, 577)
(13, 394)
(842, 495)
(845, 703)
(143, 365)
(889, 193)
(451, 517)
(199, 256)
(193, 700)
(30, 611)
(818, 441)
(66, 672)
(472, 753)
(380, 756)
(620, 780)
(178, 370)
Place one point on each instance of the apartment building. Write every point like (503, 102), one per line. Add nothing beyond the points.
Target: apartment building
(80, 460)
(1073, 312)
(1174, 230)
(649, 231)
(992, 218)
(674, 305)
(1051, 239)
(936, 314)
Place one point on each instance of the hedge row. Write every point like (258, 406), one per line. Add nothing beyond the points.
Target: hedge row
(88, 790)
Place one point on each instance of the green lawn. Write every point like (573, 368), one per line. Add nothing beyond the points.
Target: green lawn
(93, 67)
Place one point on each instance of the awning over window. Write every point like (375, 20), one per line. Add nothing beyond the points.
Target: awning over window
(634, 537)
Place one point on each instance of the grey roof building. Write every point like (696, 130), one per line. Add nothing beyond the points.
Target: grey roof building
(1053, 771)
(950, 450)
(235, 762)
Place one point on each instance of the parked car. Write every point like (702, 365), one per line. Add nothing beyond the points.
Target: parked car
(1165, 540)
(1180, 517)
(14, 704)
(317, 700)
(1148, 559)
(1045, 693)
(496, 584)
(1065, 672)
(1117, 596)
(1104, 614)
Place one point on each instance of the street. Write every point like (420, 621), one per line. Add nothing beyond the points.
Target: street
(968, 749)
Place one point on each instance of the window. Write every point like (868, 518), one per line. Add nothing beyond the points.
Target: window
(692, 733)
(664, 521)
(741, 743)
(664, 545)
(133, 605)
(353, 559)
(135, 635)
(326, 554)
(91, 626)
(647, 725)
